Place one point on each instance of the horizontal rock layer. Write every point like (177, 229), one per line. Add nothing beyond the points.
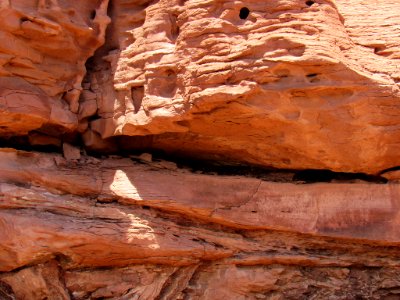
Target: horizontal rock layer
(286, 84)
(120, 229)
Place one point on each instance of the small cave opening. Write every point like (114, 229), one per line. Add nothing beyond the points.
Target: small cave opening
(244, 13)
(314, 176)
(174, 27)
(311, 75)
(310, 3)
(137, 94)
(93, 14)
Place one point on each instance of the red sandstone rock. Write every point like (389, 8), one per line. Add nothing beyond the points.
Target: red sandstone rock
(292, 85)
(70, 152)
(393, 176)
(42, 61)
(207, 236)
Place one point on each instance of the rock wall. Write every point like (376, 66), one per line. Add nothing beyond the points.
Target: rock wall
(273, 129)
(295, 85)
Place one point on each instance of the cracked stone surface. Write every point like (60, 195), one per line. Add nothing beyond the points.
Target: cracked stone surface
(162, 144)
(119, 229)
(292, 86)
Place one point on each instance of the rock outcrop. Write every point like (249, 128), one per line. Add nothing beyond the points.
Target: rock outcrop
(120, 229)
(295, 85)
(237, 149)
(46, 44)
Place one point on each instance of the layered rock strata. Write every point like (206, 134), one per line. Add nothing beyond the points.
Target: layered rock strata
(297, 87)
(120, 229)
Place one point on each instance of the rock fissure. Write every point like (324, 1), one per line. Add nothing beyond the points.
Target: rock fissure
(239, 150)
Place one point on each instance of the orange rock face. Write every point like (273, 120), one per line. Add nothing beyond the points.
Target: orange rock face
(281, 119)
(292, 86)
(42, 61)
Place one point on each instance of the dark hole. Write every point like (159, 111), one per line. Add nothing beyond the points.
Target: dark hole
(309, 3)
(312, 176)
(175, 235)
(244, 13)
(253, 211)
(93, 118)
(93, 14)
(145, 207)
(312, 75)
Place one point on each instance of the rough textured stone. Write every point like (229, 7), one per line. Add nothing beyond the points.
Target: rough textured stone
(70, 152)
(293, 86)
(290, 84)
(116, 228)
(42, 61)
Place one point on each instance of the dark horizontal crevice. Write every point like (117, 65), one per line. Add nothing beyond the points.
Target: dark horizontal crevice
(312, 176)
(22, 143)
(267, 174)
(210, 167)
(397, 168)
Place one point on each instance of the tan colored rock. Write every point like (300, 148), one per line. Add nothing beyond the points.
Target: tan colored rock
(292, 86)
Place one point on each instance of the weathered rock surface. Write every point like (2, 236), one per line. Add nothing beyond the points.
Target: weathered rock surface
(287, 84)
(121, 229)
(293, 86)
(42, 61)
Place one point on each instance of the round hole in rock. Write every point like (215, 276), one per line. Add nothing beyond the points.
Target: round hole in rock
(309, 3)
(244, 13)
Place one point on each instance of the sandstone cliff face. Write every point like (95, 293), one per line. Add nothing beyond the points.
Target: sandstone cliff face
(94, 229)
(45, 45)
(249, 98)
(295, 85)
